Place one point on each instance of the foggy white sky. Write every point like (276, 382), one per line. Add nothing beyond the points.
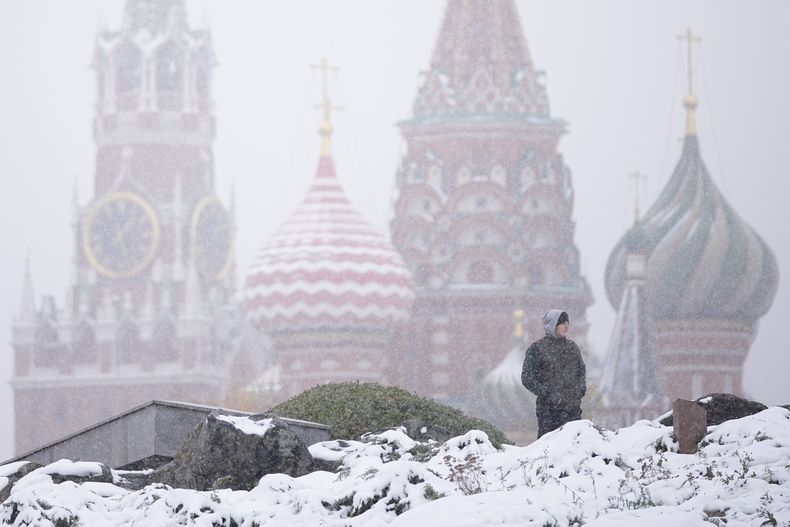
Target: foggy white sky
(615, 71)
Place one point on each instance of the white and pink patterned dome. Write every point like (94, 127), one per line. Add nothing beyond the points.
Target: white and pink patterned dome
(327, 267)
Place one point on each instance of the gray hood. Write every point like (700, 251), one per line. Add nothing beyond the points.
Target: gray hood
(550, 321)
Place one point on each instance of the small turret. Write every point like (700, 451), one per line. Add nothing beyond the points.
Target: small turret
(631, 383)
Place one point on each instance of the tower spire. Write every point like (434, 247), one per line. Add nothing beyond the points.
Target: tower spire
(325, 130)
(481, 67)
(27, 307)
(690, 100)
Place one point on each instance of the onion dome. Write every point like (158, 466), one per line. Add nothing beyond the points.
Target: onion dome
(704, 261)
(327, 266)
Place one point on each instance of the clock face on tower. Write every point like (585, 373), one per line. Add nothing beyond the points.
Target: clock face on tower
(212, 239)
(120, 235)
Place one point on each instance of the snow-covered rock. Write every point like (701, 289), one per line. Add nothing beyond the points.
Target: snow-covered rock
(235, 452)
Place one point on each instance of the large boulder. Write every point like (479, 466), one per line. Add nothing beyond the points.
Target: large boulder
(722, 407)
(235, 452)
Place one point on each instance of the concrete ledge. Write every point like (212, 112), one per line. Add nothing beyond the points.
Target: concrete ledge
(146, 436)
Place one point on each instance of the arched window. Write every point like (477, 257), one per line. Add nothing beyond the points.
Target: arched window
(527, 178)
(169, 76)
(415, 174)
(169, 68)
(480, 273)
(46, 346)
(200, 61)
(435, 176)
(164, 342)
(128, 67)
(547, 173)
(463, 177)
(127, 344)
(85, 350)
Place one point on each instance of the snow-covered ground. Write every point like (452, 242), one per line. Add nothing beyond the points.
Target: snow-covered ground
(578, 475)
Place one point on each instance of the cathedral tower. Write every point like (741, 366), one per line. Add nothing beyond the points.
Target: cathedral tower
(148, 312)
(483, 214)
(708, 279)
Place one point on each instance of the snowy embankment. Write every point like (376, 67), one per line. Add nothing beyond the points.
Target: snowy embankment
(578, 475)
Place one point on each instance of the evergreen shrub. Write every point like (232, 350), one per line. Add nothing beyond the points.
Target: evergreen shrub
(352, 409)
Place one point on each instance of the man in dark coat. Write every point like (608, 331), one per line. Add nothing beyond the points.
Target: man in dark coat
(555, 372)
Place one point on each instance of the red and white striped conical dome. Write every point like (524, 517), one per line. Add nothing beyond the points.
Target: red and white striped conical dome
(327, 267)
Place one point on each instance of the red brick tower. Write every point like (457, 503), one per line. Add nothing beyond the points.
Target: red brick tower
(148, 313)
(483, 214)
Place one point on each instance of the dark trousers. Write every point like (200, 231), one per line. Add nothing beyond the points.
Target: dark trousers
(553, 416)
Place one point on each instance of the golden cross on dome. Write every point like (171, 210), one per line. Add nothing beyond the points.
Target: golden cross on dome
(637, 177)
(326, 126)
(690, 39)
(690, 101)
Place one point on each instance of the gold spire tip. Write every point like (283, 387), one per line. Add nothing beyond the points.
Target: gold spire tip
(325, 130)
(690, 100)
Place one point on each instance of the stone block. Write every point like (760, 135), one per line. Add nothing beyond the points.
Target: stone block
(690, 423)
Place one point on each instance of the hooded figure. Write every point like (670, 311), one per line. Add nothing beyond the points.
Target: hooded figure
(555, 372)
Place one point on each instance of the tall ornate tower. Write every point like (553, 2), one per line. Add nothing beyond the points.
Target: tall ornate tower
(709, 277)
(148, 313)
(483, 214)
(327, 287)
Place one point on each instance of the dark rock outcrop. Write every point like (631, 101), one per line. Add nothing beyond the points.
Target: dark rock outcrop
(23, 470)
(722, 407)
(218, 454)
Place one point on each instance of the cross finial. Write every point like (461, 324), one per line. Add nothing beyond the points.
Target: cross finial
(637, 177)
(690, 39)
(690, 101)
(326, 126)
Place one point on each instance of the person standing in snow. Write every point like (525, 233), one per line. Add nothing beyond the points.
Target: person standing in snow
(555, 372)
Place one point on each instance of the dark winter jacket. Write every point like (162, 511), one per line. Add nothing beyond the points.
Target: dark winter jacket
(554, 371)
